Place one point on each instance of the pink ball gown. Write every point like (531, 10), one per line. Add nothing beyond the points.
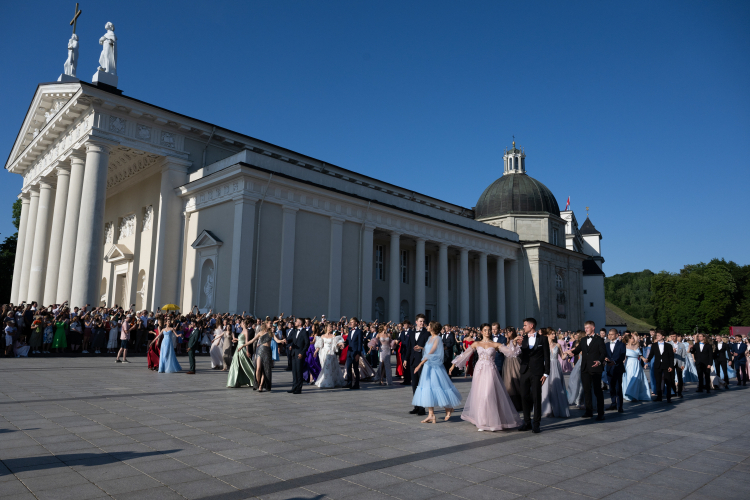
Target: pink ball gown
(488, 405)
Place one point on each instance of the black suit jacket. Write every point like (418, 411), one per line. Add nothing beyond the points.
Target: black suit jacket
(449, 342)
(403, 347)
(706, 356)
(415, 357)
(535, 360)
(722, 353)
(299, 341)
(195, 338)
(662, 362)
(596, 351)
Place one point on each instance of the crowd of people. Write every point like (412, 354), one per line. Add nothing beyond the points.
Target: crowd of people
(511, 370)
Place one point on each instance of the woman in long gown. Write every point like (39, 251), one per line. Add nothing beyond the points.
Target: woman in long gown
(512, 371)
(634, 382)
(217, 349)
(114, 334)
(168, 359)
(325, 348)
(565, 364)
(488, 405)
(242, 371)
(399, 361)
(263, 359)
(382, 342)
(312, 364)
(60, 342)
(153, 351)
(554, 396)
(435, 387)
(228, 340)
(689, 374)
(575, 386)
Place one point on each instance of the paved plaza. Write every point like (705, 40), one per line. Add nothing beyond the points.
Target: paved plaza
(85, 428)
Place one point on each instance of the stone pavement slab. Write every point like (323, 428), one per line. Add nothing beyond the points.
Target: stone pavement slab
(88, 428)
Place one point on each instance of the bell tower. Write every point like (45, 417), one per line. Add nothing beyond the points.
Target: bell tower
(514, 161)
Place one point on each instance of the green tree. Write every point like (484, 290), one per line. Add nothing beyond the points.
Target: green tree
(8, 256)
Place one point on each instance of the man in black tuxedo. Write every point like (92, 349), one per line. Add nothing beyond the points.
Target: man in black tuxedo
(663, 356)
(721, 354)
(298, 342)
(353, 354)
(404, 349)
(703, 354)
(615, 369)
(417, 340)
(593, 353)
(498, 337)
(449, 343)
(534, 368)
(739, 360)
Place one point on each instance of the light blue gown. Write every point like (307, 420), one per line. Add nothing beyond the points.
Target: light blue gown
(635, 384)
(575, 386)
(435, 387)
(689, 374)
(274, 350)
(167, 358)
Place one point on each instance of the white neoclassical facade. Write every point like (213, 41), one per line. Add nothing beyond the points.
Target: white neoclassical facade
(127, 203)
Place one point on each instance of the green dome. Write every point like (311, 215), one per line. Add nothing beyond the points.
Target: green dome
(516, 193)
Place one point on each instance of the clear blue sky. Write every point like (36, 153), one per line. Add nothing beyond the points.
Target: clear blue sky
(639, 110)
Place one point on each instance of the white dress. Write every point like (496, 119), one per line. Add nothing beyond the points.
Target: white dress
(217, 350)
(554, 397)
(113, 336)
(330, 374)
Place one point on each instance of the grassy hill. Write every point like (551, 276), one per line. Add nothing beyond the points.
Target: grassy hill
(616, 316)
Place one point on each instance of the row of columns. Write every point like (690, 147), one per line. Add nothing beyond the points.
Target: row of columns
(394, 285)
(58, 256)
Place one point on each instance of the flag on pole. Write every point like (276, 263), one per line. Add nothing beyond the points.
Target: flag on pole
(567, 205)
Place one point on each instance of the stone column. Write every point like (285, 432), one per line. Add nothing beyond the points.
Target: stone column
(334, 268)
(56, 237)
(286, 278)
(243, 241)
(87, 270)
(41, 240)
(167, 271)
(419, 277)
(28, 247)
(70, 229)
(501, 292)
(463, 272)
(515, 293)
(365, 308)
(394, 279)
(484, 297)
(20, 245)
(443, 311)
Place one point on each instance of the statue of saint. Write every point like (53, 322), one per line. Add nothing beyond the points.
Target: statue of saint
(208, 289)
(108, 58)
(70, 65)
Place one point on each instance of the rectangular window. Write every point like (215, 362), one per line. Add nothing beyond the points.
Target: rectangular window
(379, 259)
(554, 236)
(585, 292)
(427, 273)
(591, 304)
(405, 267)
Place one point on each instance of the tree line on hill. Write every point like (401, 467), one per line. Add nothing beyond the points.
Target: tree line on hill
(710, 297)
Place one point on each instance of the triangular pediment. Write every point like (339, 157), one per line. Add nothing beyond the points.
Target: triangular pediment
(206, 239)
(49, 113)
(118, 253)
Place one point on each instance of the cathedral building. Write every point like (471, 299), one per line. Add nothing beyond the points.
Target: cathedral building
(125, 202)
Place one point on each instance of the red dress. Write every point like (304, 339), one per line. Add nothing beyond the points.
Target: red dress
(400, 364)
(344, 351)
(473, 360)
(153, 354)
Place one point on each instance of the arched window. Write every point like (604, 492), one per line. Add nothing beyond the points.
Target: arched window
(559, 281)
